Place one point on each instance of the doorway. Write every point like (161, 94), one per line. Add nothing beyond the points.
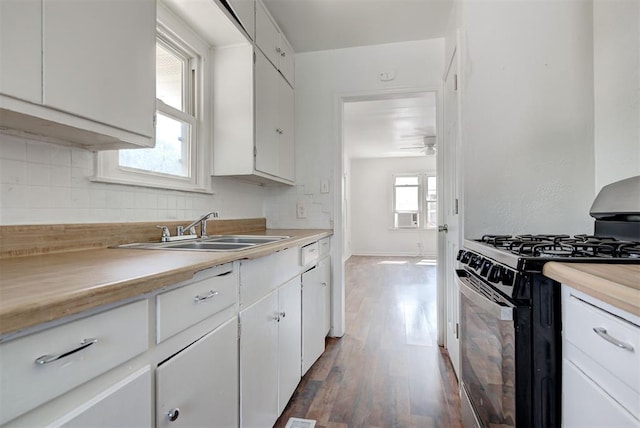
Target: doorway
(388, 150)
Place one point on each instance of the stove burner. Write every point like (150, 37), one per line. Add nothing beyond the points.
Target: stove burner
(558, 245)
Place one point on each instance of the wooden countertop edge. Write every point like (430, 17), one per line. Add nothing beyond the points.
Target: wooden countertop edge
(35, 311)
(608, 290)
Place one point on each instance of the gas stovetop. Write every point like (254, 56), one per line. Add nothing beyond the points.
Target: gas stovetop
(530, 252)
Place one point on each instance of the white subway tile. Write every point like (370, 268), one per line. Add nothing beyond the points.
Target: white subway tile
(80, 198)
(98, 199)
(61, 156)
(38, 174)
(39, 153)
(13, 196)
(12, 148)
(61, 176)
(13, 171)
(38, 197)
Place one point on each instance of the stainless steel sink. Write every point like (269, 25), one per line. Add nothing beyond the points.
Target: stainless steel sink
(245, 239)
(210, 243)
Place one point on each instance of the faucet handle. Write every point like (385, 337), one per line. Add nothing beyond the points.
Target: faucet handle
(192, 231)
(165, 232)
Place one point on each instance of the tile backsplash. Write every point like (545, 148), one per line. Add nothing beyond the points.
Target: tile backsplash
(42, 183)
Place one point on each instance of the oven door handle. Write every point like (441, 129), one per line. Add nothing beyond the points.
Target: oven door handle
(498, 311)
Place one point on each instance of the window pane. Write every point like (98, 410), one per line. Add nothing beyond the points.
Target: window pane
(407, 181)
(431, 189)
(171, 153)
(432, 211)
(407, 198)
(169, 77)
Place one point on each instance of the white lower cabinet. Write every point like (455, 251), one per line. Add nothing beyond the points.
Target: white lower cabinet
(269, 355)
(126, 404)
(289, 341)
(324, 268)
(600, 365)
(198, 386)
(313, 317)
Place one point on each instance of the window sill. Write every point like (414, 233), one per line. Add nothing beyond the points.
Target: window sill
(125, 182)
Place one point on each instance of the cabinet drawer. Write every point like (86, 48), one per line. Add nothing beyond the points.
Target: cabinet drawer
(210, 292)
(580, 321)
(325, 246)
(25, 383)
(260, 276)
(309, 254)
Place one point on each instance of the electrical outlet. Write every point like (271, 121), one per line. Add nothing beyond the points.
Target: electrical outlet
(301, 210)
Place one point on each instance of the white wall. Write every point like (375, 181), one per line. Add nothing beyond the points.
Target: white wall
(42, 183)
(616, 44)
(321, 77)
(527, 116)
(371, 203)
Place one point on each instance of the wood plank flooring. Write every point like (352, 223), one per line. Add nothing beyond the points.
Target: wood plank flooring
(387, 370)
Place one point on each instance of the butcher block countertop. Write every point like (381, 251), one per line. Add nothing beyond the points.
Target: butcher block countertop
(616, 284)
(42, 288)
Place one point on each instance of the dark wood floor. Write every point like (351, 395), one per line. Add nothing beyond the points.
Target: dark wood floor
(387, 370)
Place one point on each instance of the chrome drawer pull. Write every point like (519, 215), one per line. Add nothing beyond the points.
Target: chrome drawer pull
(602, 332)
(45, 359)
(210, 295)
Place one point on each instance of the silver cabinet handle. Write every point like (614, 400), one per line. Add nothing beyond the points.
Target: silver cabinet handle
(210, 295)
(46, 359)
(173, 414)
(324, 284)
(276, 318)
(283, 54)
(279, 131)
(283, 314)
(602, 332)
(278, 50)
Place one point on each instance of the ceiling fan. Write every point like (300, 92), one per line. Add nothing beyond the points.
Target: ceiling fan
(425, 143)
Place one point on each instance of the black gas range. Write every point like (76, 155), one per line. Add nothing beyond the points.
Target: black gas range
(510, 313)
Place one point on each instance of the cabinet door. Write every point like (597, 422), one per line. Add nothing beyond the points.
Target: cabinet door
(267, 35)
(201, 382)
(21, 49)
(585, 404)
(313, 313)
(325, 280)
(259, 363)
(125, 404)
(99, 61)
(286, 140)
(267, 117)
(245, 11)
(287, 62)
(289, 341)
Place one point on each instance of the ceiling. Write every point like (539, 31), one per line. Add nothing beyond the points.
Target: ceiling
(373, 128)
(390, 127)
(312, 25)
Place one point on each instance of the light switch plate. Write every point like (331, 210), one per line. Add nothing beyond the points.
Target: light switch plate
(324, 186)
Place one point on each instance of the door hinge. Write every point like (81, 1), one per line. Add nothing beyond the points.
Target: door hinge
(455, 206)
(239, 329)
(254, 57)
(255, 152)
(457, 331)
(455, 82)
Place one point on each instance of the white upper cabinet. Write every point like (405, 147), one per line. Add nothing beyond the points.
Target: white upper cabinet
(79, 72)
(20, 49)
(99, 61)
(273, 44)
(245, 11)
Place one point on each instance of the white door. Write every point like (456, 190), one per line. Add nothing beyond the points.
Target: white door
(267, 116)
(289, 341)
(450, 238)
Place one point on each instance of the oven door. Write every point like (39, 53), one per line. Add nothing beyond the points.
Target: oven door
(487, 354)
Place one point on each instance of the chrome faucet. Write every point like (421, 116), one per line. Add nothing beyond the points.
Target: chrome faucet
(203, 225)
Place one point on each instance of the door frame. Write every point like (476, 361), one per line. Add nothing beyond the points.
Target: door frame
(338, 254)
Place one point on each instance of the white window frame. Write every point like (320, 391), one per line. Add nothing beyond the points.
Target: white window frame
(421, 213)
(171, 30)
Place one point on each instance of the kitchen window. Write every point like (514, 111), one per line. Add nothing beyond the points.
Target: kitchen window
(414, 201)
(179, 159)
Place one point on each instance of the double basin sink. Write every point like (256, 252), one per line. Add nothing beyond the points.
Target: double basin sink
(210, 243)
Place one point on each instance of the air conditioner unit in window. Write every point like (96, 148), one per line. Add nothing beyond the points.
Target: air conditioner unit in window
(407, 220)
